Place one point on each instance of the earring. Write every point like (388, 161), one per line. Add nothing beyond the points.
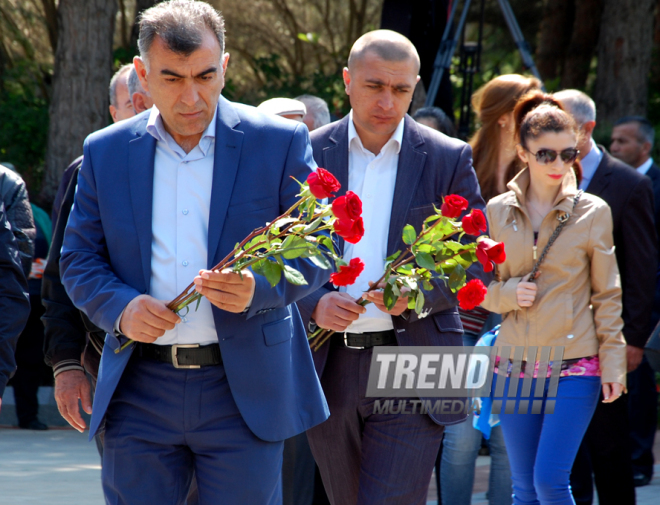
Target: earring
(502, 125)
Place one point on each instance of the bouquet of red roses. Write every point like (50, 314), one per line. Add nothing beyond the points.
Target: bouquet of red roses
(298, 233)
(435, 253)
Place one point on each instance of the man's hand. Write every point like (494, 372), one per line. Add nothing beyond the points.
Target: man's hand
(226, 290)
(336, 311)
(611, 391)
(526, 292)
(145, 319)
(376, 297)
(69, 387)
(634, 356)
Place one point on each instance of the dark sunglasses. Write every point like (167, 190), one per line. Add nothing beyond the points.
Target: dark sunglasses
(547, 156)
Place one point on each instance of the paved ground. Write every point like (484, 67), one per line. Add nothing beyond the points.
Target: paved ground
(59, 467)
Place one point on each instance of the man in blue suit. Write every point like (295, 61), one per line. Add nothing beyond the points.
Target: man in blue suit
(399, 169)
(160, 198)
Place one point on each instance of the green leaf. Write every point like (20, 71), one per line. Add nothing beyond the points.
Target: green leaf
(454, 246)
(321, 261)
(405, 269)
(340, 262)
(396, 290)
(425, 260)
(294, 247)
(393, 256)
(425, 248)
(313, 225)
(259, 240)
(272, 271)
(389, 298)
(457, 277)
(409, 234)
(294, 276)
(427, 286)
(419, 302)
(432, 218)
(411, 301)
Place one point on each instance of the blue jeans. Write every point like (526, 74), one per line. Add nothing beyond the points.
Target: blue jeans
(542, 447)
(460, 449)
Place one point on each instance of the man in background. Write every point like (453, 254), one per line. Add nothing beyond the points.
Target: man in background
(14, 300)
(121, 106)
(632, 143)
(140, 99)
(317, 114)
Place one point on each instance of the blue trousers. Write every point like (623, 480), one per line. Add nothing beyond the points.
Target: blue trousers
(460, 448)
(542, 447)
(163, 424)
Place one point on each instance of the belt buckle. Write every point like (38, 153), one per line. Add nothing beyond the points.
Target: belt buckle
(175, 357)
(349, 346)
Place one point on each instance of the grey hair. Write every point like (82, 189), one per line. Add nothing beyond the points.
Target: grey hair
(181, 25)
(113, 82)
(579, 104)
(645, 130)
(318, 108)
(134, 85)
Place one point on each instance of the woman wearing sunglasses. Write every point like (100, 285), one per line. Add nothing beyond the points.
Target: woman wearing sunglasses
(559, 287)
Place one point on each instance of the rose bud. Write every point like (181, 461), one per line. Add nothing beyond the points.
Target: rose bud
(350, 231)
(453, 205)
(472, 294)
(347, 274)
(489, 252)
(348, 206)
(474, 223)
(322, 184)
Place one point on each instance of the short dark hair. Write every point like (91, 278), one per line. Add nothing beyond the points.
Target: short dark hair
(442, 122)
(645, 132)
(181, 25)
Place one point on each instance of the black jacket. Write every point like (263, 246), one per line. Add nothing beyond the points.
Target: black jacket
(19, 214)
(654, 175)
(65, 327)
(630, 196)
(14, 300)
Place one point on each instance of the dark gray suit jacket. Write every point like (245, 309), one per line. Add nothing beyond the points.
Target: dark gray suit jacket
(630, 197)
(431, 165)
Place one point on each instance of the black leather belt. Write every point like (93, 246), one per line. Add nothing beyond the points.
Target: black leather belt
(182, 355)
(365, 340)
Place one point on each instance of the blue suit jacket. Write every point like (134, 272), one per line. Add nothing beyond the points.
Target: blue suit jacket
(106, 258)
(431, 165)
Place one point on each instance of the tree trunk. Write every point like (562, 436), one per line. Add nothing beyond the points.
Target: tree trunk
(140, 5)
(83, 67)
(583, 43)
(624, 58)
(553, 37)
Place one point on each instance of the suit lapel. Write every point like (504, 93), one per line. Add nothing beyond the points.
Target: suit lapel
(335, 160)
(601, 177)
(141, 154)
(409, 172)
(228, 144)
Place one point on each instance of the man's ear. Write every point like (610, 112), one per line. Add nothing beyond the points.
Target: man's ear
(347, 80)
(141, 69)
(225, 62)
(113, 113)
(588, 128)
(646, 149)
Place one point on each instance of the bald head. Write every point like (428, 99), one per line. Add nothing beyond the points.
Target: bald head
(387, 45)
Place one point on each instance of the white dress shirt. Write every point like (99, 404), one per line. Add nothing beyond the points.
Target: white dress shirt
(589, 165)
(644, 167)
(373, 179)
(180, 223)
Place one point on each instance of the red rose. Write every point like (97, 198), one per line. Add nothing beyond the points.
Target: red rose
(322, 183)
(347, 207)
(347, 274)
(489, 252)
(350, 231)
(472, 294)
(453, 205)
(474, 223)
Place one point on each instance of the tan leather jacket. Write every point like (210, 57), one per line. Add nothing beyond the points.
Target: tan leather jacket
(578, 302)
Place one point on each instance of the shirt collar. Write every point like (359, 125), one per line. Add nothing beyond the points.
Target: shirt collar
(157, 130)
(590, 162)
(396, 139)
(644, 167)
